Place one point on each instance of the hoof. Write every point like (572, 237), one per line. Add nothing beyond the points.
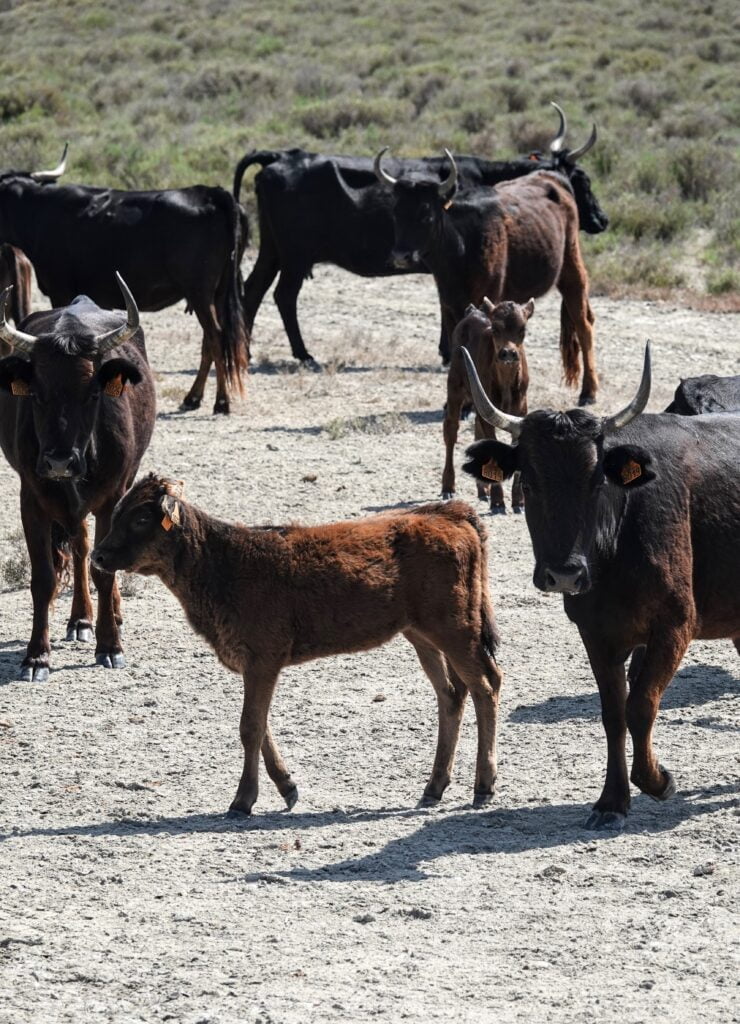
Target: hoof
(429, 801)
(188, 403)
(670, 787)
(605, 821)
(448, 495)
(517, 509)
(113, 660)
(309, 363)
(291, 798)
(81, 631)
(34, 674)
(237, 811)
(498, 510)
(482, 800)
(586, 400)
(221, 407)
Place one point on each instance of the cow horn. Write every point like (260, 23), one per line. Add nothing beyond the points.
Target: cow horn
(106, 342)
(557, 143)
(486, 409)
(487, 305)
(574, 154)
(638, 403)
(20, 342)
(54, 175)
(383, 177)
(448, 186)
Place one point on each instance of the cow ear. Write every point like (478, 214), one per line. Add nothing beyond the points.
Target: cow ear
(170, 508)
(16, 375)
(491, 461)
(628, 466)
(114, 374)
(528, 309)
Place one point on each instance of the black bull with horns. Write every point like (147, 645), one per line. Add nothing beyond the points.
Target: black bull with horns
(169, 244)
(635, 519)
(314, 208)
(77, 410)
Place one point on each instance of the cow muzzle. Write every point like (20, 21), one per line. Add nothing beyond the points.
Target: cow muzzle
(572, 578)
(508, 355)
(61, 465)
(404, 260)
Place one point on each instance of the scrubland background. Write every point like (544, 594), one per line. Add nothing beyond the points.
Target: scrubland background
(159, 93)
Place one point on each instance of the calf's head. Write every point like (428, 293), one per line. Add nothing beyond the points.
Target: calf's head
(64, 376)
(419, 204)
(144, 522)
(508, 328)
(569, 473)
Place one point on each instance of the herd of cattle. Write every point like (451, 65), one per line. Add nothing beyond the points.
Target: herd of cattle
(634, 518)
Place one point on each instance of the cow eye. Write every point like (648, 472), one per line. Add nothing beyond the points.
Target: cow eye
(141, 521)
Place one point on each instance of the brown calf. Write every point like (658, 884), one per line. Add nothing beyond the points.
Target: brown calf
(494, 337)
(270, 597)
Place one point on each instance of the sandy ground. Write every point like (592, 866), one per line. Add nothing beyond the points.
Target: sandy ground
(128, 896)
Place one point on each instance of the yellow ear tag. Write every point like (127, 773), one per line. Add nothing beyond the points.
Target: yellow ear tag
(630, 471)
(115, 386)
(492, 471)
(20, 388)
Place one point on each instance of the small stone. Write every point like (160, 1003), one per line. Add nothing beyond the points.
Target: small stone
(309, 478)
(704, 869)
(364, 918)
(379, 698)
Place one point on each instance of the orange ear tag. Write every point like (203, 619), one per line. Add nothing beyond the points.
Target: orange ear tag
(166, 523)
(20, 388)
(492, 471)
(630, 471)
(171, 518)
(115, 386)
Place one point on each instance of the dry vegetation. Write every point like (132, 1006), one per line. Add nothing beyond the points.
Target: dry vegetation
(159, 97)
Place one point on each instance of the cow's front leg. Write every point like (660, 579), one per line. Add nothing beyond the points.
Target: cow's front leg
(108, 650)
(661, 658)
(79, 626)
(37, 529)
(610, 810)
(259, 685)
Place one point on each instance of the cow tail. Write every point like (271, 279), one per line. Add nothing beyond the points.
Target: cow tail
(488, 634)
(263, 157)
(234, 334)
(61, 553)
(569, 347)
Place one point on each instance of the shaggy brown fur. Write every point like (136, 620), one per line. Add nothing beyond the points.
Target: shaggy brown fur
(494, 337)
(266, 598)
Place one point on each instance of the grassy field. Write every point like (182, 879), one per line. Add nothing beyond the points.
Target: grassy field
(153, 94)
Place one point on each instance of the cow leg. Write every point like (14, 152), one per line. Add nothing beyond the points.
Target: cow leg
(576, 315)
(610, 810)
(259, 686)
(108, 650)
(286, 300)
(495, 490)
(195, 396)
(451, 693)
(662, 657)
(449, 430)
(482, 677)
(263, 274)
(79, 626)
(736, 642)
(449, 321)
(210, 353)
(277, 769)
(37, 529)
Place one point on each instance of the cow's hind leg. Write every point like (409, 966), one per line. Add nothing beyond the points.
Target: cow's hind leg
(108, 649)
(210, 353)
(195, 396)
(662, 657)
(277, 769)
(449, 429)
(260, 679)
(576, 327)
(79, 626)
(286, 300)
(451, 693)
(263, 274)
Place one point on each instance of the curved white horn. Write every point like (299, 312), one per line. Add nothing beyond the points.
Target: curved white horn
(119, 335)
(56, 173)
(574, 154)
(383, 177)
(449, 185)
(638, 403)
(557, 143)
(20, 341)
(485, 406)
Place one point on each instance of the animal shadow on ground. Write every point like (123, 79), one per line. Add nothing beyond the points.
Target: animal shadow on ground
(441, 834)
(691, 687)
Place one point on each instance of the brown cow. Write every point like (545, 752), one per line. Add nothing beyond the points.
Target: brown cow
(509, 242)
(270, 597)
(16, 272)
(494, 337)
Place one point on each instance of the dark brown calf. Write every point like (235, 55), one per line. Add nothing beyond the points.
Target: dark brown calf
(270, 597)
(494, 337)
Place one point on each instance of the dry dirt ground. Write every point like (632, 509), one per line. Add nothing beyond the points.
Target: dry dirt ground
(128, 896)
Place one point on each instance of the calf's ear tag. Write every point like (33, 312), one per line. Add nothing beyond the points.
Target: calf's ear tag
(492, 471)
(172, 517)
(630, 471)
(20, 388)
(447, 205)
(115, 386)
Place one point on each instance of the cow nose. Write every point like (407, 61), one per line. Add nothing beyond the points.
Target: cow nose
(403, 260)
(569, 579)
(508, 355)
(60, 466)
(98, 559)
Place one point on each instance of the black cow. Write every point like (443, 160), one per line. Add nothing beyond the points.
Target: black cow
(708, 393)
(635, 519)
(169, 245)
(16, 273)
(77, 411)
(314, 209)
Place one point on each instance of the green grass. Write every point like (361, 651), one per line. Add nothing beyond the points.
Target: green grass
(151, 95)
